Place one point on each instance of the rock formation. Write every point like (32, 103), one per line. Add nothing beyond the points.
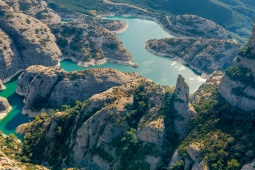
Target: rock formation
(25, 41)
(35, 8)
(10, 59)
(2, 87)
(182, 106)
(202, 55)
(237, 85)
(52, 87)
(97, 133)
(90, 45)
(4, 107)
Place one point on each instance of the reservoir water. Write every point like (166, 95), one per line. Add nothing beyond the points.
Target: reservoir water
(161, 70)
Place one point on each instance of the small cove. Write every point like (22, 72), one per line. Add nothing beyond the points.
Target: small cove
(161, 70)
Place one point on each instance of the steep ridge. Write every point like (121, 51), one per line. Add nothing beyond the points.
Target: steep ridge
(10, 59)
(237, 85)
(125, 127)
(27, 41)
(182, 106)
(35, 8)
(45, 87)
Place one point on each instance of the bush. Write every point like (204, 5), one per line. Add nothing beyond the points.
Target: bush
(239, 74)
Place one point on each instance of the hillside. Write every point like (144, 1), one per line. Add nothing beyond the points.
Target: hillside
(234, 15)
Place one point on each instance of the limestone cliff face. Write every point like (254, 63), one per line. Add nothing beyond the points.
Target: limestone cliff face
(182, 107)
(203, 55)
(35, 8)
(4, 107)
(237, 85)
(25, 41)
(95, 136)
(89, 44)
(10, 58)
(51, 87)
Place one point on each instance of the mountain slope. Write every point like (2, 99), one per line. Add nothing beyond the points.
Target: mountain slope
(233, 15)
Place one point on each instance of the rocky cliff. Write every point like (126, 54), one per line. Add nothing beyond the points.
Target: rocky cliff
(182, 106)
(52, 87)
(10, 154)
(25, 41)
(90, 45)
(119, 128)
(202, 55)
(35, 8)
(237, 85)
(4, 107)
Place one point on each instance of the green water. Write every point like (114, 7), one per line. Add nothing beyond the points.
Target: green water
(161, 70)
(14, 118)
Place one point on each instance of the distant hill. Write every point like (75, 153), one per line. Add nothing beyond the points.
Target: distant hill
(234, 15)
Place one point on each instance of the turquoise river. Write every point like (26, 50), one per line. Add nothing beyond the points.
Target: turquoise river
(161, 70)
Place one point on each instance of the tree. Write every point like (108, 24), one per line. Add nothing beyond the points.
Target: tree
(233, 164)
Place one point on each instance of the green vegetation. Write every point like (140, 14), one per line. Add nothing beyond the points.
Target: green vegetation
(229, 14)
(239, 74)
(171, 138)
(225, 132)
(246, 52)
(35, 140)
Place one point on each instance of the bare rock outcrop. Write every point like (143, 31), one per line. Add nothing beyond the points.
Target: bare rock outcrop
(89, 44)
(97, 133)
(182, 107)
(36, 8)
(10, 58)
(250, 166)
(2, 87)
(237, 85)
(25, 41)
(51, 87)
(7, 163)
(4, 107)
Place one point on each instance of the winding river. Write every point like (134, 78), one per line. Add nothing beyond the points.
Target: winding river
(161, 70)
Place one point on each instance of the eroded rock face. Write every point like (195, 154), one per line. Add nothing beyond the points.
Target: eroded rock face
(249, 166)
(7, 163)
(4, 107)
(51, 87)
(98, 129)
(237, 85)
(90, 44)
(25, 41)
(10, 58)
(35, 8)
(182, 106)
